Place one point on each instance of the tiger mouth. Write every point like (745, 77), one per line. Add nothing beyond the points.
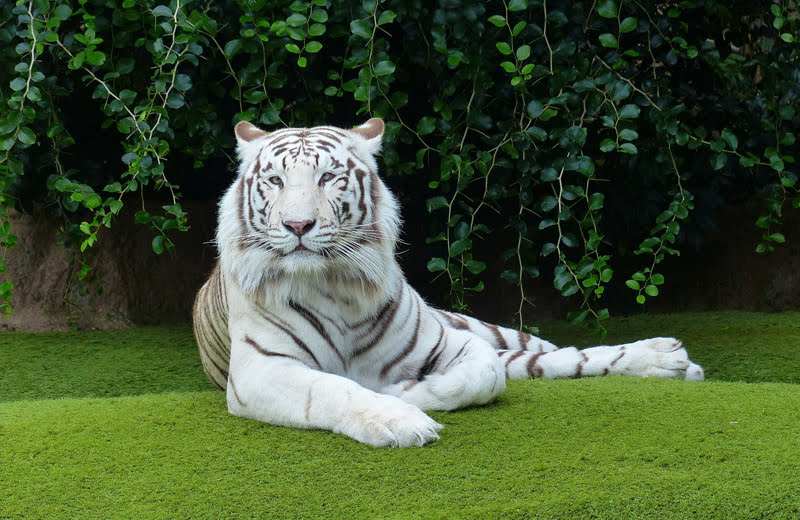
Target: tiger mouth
(302, 249)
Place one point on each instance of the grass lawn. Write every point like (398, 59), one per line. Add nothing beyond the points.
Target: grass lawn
(123, 424)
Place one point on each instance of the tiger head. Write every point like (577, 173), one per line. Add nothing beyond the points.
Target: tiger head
(309, 207)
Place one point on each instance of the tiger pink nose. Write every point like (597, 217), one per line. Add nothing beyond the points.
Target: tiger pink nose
(299, 227)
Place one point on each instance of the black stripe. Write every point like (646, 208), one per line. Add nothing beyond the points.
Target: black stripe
(412, 343)
(314, 322)
(458, 354)
(454, 320)
(516, 355)
(498, 336)
(523, 338)
(382, 323)
(294, 337)
(433, 357)
(533, 367)
(235, 393)
(264, 352)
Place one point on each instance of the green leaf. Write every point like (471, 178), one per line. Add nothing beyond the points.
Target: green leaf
(629, 111)
(718, 160)
(361, 28)
(548, 203)
(523, 52)
(730, 138)
(583, 85)
(293, 48)
(777, 238)
(608, 145)
(321, 16)
(497, 20)
(437, 264)
(628, 24)
(26, 136)
(18, 84)
(596, 201)
(717, 145)
(175, 100)
(384, 68)
(316, 29)
(503, 47)
(508, 66)
(517, 5)
(535, 109)
(576, 134)
(548, 248)
(651, 290)
(437, 202)
(62, 12)
(628, 134)
(475, 266)
(158, 244)
(459, 246)
(162, 10)
(386, 17)
(296, 20)
(426, 125)
(129, 157)
(510, 276)
(548, 174)
(628, 148)
(608, 40)
(747, 162)
(313, 47)
(232, 48)
(182, 82)
(607, 9)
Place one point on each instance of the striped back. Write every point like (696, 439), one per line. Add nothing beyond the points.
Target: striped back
(210, 316)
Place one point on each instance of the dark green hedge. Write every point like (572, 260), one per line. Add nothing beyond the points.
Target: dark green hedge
(589, 129)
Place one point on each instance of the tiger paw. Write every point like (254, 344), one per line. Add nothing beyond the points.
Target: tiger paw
(657, 357)
(389, 421)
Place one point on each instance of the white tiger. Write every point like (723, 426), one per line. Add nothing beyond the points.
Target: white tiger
(307, 320)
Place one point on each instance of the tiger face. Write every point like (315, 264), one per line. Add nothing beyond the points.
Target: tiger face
(308, 201)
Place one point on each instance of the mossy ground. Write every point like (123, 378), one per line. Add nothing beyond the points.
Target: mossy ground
(123, 424)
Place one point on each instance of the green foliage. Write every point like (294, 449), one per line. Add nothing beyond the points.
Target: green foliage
(577, 126)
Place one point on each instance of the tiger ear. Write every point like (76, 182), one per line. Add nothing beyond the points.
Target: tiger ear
(372, 131)
(246, 132)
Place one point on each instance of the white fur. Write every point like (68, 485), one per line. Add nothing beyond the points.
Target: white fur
(330, 335)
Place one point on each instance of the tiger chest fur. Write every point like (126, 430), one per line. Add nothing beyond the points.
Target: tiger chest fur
(307, 320)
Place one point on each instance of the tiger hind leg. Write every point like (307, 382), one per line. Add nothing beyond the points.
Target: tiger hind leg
(655, 357)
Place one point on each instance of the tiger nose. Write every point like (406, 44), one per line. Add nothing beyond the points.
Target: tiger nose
(299, 227)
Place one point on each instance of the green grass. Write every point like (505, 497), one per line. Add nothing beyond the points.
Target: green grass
(123, 424)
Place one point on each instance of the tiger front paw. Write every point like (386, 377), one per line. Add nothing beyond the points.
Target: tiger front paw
(389, 421)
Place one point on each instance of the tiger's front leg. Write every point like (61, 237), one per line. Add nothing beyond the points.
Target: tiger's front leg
(273, 381)
(462, 370)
